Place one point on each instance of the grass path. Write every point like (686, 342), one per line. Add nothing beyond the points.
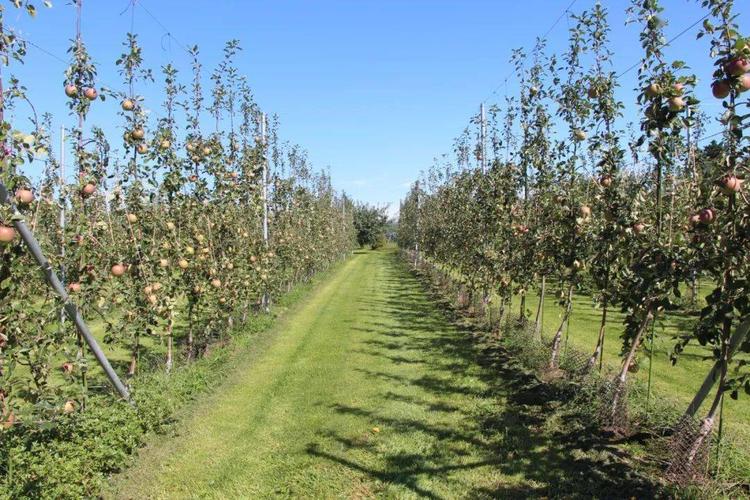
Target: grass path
(367, 390)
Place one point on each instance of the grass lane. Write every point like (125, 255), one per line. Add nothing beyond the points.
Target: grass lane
(367, 390)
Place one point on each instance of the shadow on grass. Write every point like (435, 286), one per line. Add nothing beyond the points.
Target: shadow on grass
(512, 423)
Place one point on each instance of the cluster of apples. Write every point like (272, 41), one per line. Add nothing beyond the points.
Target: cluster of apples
(89, 93)
(737, 73)
(675, 102)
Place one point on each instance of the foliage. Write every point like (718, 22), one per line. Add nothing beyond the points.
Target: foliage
(370, 224)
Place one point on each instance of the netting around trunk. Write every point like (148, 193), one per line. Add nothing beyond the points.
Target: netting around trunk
(688, 450)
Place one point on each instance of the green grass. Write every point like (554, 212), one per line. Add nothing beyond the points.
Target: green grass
(366, 389)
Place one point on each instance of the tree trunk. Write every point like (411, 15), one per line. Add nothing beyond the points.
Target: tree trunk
(622, 377)
(170, 341)
(557, 340)
(539, 310)
(598, 354)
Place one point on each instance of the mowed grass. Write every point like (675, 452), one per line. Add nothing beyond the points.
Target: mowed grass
(677, 383)
(367, 390)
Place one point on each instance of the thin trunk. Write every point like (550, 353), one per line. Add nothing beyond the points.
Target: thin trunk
(557, 340)
(170, 341)
(539, 309)
(598, 354)
(622, 377)
(739, 336)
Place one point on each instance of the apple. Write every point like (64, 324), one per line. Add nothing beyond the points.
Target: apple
(189, 250)
(593, 92)
(585, 211)
(653, 90)
(533, 90)
(118, 270)
(579, 134)
(128, 105)
(132, 218)
(67, 367)
(7, 234)
(71, 90)
(720, 89)
(88, 189)
(152, 299)
(606, 180)
(24, 196)
(90, 93)
(731, 184)
(138, 134)
(206, 150)
(216, 283)
(695, 218)
(676, 104)
(156, 286)
(190, 147)
(193, 178)
(743, 84)
(142, 148)
(170, 226)
(163, 263)
(183, 264)
(9, 421)
(69, 406)
(737, 67)
(165, 144)
(74, 287)
(707, 215)
(639, 227)
(678, 88)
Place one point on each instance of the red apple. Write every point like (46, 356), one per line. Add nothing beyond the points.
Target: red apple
(7, 234)
(676, 104)
(720, 89)
(738, 66)
(731, 184)
(24, 196)
(88, 189)
(639, 227)
(71, 90)
(743, 83)
(585, 211)
(606, 180)
(118, 270)
(90, 93)
(67, 367)
(142, 148)
(74, 287)
(707, 215)
(678, 88)
(653, 90)
(128, 105)
(138, 134)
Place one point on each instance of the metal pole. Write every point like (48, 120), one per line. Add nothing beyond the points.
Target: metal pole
(62, 215)
(482, 136)
(416, 235)
(70, 308)
(264, 142)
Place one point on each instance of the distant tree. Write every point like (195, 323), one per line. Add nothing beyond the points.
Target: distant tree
(370, 222)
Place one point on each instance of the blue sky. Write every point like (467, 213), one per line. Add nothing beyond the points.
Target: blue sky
(375, 89)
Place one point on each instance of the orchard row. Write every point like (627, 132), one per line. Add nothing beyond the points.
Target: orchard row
(565, 196)
(166, 245)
